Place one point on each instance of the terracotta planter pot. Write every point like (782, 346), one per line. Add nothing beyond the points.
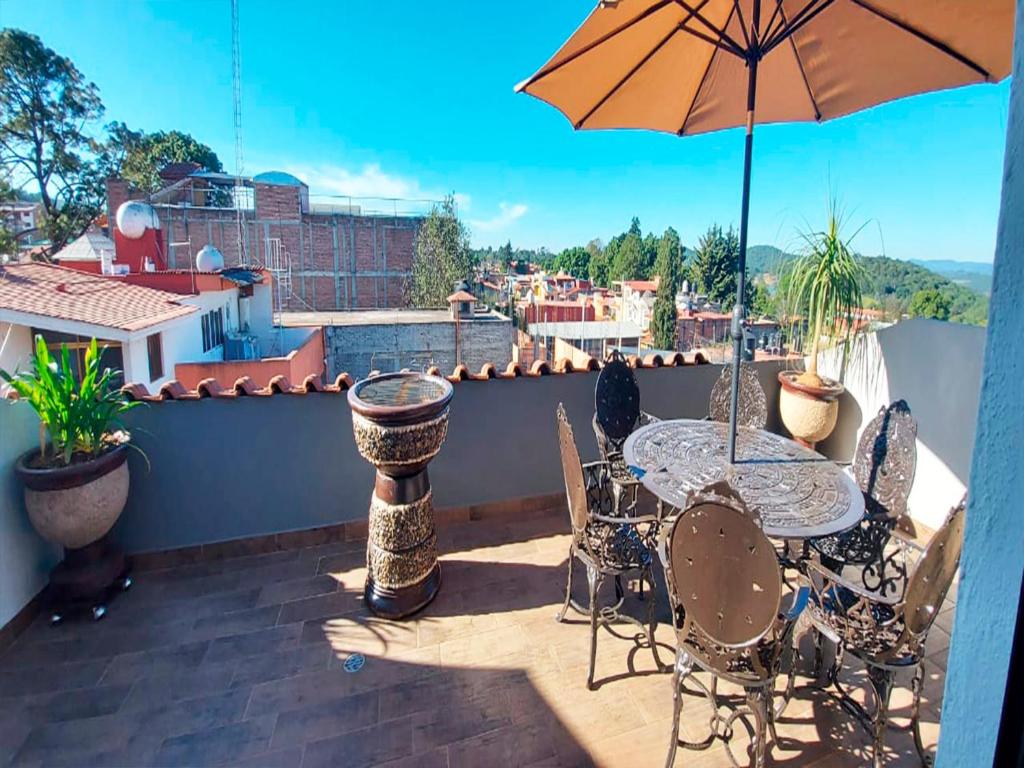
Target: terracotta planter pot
(75, 506)
(809, 413)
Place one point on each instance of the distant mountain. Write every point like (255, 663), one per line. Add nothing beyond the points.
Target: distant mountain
(891, 282)
(974, 275)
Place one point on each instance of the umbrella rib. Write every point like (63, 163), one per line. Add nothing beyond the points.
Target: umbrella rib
(544, 72)
(937, 44)
(703, 78)
(802, 17)
(803, 72)
(695, 13)
(628, 75)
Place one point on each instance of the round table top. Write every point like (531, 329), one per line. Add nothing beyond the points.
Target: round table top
(798, 493)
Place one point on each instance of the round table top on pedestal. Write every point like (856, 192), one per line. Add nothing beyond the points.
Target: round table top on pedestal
(798, 493)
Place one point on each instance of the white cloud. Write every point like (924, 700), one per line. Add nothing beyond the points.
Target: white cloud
(507, 213)
(369, 181)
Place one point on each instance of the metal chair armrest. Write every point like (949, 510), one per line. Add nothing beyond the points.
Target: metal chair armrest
(633, 520)
(836, 580)
(647, 418)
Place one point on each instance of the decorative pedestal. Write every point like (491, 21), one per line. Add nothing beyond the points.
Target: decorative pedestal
(400, 421)
(87, 579)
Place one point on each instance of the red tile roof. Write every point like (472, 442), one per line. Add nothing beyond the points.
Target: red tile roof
(68, 294)
(461, 296)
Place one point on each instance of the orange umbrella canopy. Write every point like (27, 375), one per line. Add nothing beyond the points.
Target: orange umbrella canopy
(682, 66)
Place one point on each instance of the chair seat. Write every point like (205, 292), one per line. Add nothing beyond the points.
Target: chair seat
(868, 631)
(618, 547)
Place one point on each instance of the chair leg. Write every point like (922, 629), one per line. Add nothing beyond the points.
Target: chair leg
(819, 652)
(915, 715)
(881, 683)
(756, 703)
(677, 708)
(652, 621)
(594, 583)
(568, 587)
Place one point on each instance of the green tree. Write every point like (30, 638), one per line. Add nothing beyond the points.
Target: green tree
(138, 157)
(628, 262)
(441, 256)
(46, 107)
(506, 255)
(760, 302)
(930, 303)
(575, 261)
(663, 315)
(714, 265)
(669, 264)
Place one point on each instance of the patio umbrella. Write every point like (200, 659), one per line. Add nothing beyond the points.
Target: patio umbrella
(693, 66)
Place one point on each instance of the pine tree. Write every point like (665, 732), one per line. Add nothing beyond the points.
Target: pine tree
(714, 265)
(441, 257)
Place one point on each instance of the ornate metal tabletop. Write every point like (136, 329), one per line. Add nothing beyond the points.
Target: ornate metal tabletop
(798, 493)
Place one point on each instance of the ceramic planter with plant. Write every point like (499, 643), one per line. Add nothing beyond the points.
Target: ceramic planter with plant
(823, 286)
(76, 481)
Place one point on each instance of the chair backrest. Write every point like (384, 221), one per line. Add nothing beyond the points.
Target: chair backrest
(572, 468)
(617, 398)
(886, 460)
(723, 570)
(752, 410)
(934, 573)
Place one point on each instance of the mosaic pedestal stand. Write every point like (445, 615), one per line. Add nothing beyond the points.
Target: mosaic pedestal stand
(400, 421)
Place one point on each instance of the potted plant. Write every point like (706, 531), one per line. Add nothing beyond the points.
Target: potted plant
(76, 481)
(823, 286)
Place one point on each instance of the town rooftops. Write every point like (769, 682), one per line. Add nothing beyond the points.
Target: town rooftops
(47, 291)
(640, 285)
(587, 329)
(379, 317)
(461, 296)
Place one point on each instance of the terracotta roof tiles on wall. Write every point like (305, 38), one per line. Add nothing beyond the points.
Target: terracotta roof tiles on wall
(280, 385)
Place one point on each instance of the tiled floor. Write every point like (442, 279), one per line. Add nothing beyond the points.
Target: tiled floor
(240, 662)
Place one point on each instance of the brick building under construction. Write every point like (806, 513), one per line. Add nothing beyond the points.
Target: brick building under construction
(326, 256)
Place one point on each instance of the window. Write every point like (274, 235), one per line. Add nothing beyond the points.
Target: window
(156, 356)
(110, 352)
(213, 329)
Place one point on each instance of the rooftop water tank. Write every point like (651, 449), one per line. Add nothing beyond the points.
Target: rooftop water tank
(209, 259)
(134, 217)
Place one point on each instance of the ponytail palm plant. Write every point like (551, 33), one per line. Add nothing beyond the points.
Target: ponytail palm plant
(824, 285)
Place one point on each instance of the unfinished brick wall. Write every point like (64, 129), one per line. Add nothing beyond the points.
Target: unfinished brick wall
(338, 261)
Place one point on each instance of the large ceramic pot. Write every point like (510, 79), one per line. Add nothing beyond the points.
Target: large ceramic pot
(809, 413)
(76, 505)
(400, 421)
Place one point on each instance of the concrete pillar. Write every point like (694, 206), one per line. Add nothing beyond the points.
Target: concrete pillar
(993, 556)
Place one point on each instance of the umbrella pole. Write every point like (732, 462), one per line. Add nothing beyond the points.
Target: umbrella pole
(738, 313)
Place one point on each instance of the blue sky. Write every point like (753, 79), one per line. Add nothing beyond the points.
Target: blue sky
(414, 99)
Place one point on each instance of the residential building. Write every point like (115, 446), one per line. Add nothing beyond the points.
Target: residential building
(637, 301)
(332, 255)
(358, 342)
(595, 338)
(555, 311)
(22, 219)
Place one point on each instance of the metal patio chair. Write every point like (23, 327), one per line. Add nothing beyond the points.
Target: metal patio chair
(884, 466)
(725, 590)
(752, 409)
(606, 543)
(887, 633)
(617, 414)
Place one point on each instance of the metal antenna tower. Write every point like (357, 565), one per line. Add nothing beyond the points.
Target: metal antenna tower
(236, 87)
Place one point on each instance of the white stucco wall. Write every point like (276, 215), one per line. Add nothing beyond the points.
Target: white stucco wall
(936, 368)
(25, 559)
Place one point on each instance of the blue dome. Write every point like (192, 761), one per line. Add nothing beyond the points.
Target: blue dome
(279, 177)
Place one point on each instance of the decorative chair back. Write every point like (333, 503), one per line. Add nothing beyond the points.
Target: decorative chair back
(723, 572)
(886, 460)
(616, 400)
(934, 573)
(572, 468)
(752, 409)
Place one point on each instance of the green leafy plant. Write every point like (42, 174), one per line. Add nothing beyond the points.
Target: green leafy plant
(81, 415)
(824, 284)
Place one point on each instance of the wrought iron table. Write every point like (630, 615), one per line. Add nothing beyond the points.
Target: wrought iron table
(799, 494)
